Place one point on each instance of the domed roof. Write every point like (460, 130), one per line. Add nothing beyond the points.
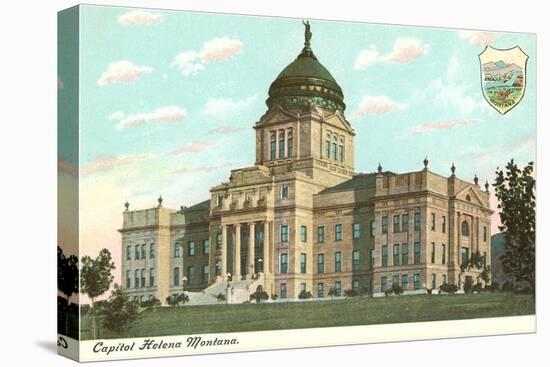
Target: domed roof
(305, 82)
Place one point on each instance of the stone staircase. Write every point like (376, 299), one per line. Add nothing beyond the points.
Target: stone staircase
(237, 292)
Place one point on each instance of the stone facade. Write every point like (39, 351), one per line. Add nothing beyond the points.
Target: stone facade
(302, 219)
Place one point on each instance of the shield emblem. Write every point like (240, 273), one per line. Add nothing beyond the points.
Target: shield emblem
(503, 76)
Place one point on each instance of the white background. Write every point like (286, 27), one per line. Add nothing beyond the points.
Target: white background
(28, 166)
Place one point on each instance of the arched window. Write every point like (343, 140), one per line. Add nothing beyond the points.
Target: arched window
(468, 198)
(465, 229)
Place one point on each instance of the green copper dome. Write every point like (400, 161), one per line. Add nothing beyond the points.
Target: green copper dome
(305, 82)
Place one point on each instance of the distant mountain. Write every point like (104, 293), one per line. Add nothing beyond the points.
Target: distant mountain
(500, 68)
(501, 64)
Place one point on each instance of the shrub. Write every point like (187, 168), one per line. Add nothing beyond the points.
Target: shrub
(448, 288)
(274, 297)
(305, 295)
(153, 302)
(220, 297)
(119, 311)
(259, 296)
(388, 292)
(468, 285)
(350, 293)
(396, 289)
(478, 287)
(508, 286)
(332, 292)
(176, 300)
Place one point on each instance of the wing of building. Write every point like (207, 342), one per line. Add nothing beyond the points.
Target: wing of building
(301, 219)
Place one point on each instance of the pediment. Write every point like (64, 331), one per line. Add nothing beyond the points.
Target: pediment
(337, 120)
(276, 116)
(469, 193)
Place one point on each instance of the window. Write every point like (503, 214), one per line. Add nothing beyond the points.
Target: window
(273, 146)
(433, 281)
(284, 263)
(302, 287)
(191, 248)
(405, 281)
(396, 226)
(464, 255)
(320, 263)
(395, 280)
(327, 147)
(334, 150)
(372, 258)
(152, 251)
(405, 254)
(176, 276)
(338, 232)
(443, 253)
(385, 255)
(338, 261)
(142, 278)
(356, 260)
(484, 233)
(205, 273)
(417, 221)
(190, 274)
(465, 229)
(383, 284)
(143, 252)
(219, 240)
(206, 247)
(283, 290)
(218, 268)
(396, 254)
(151, 277)
(355, 285)
(136, 278)
(136, 255)
(128, 279)
(177, 249)
(303, 233)
(416, 281)
(443, 223)
(341, 151)
(284, 233)
(219, 200)
(337, 289)
(129, 253)
(321, 234)
(356, 231)
(444, 279)
(405, 223)
(417, 253)
(303, 263)
(372, 228)
(432, 256)
(284, 192)
(320, 290)
(289, 143)
(384, 224)
(433, 221)
(281, 144)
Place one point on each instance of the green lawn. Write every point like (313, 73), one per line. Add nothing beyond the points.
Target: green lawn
(295, 315)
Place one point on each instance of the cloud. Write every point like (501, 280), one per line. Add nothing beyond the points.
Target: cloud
(217, 49)
(377, 105)
(522, 144)
(106, 163)
(478, 38)
(122, 72)
(440, 125)
(167, 114)
(219, 107)
(193, 147)
(205, 169)
(222, 130)
(140, 17)
(116, 115)
(405, 49)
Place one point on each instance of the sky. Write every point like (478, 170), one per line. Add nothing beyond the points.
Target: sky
(168, 99)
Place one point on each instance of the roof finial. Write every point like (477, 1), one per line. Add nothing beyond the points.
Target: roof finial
(426, 161)
(453, 168)
(476, 180)
(487, 186)
(126, 205)
(379, 168)
(160, 201)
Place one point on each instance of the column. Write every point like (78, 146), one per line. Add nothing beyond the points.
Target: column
(237, 254)
(267, 238)
(224, 253)
(250, 257)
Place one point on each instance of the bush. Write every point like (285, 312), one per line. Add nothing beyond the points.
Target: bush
(350, 293)
(448, 288)
(274, 297)
(332, 292)
(468, 285)
(305, 295)
(119, 311)
(478, 287)
(396, 289)
(388, 292)
(176, 300)
(259, 296)
(153, 302)
(220, 297)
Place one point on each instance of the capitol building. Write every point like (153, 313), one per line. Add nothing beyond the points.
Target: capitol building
(302, 219)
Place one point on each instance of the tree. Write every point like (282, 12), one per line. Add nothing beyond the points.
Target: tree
(332, 292)
(515, 192)
(478, 261)
(305, 295)
(119, 311)
(67, 280)
(96, 278)
(259, 296)
(448, 288)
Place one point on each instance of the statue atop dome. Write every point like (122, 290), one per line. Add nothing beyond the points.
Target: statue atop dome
(307, 33)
